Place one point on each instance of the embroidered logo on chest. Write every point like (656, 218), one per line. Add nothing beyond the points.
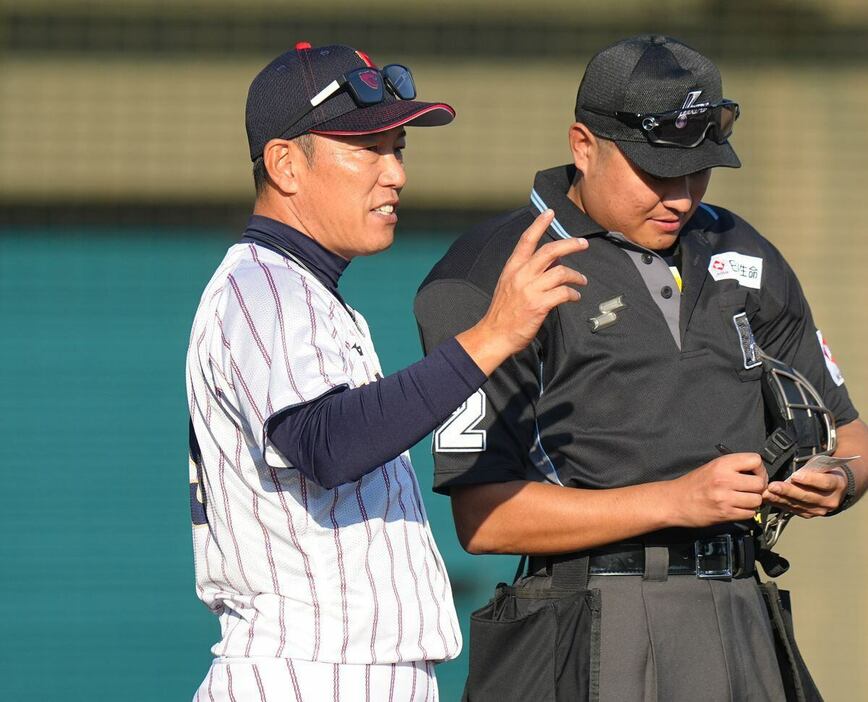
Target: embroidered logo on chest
(608, 313)
(747, 270)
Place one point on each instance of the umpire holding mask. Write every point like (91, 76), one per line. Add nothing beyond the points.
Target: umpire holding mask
(625, 452)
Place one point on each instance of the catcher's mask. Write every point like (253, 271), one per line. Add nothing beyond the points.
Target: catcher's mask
(798, 426)
(793, 406)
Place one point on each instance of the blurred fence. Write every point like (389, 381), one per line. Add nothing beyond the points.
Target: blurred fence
(143, 101)
(132, 112)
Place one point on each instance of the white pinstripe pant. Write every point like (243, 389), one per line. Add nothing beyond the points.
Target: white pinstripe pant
(292, 680)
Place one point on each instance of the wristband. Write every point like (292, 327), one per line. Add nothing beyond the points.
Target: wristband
(849, 494)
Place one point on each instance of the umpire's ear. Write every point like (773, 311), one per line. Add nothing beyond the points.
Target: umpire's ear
(583, 145)
(284, 162)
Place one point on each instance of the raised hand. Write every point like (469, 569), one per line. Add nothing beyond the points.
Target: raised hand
(532, 282)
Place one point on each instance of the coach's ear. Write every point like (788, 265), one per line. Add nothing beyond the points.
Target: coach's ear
(583, 145)
(284, 162)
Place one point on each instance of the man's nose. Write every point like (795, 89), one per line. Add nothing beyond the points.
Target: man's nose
(393, 174)
(677, 195)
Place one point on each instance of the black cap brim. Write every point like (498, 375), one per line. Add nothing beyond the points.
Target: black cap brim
(387, 115)
(675, 161)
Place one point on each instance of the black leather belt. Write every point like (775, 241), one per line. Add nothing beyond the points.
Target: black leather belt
(720, 557)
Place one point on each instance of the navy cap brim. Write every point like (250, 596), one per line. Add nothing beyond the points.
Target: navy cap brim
(675, 161)
(385, 116)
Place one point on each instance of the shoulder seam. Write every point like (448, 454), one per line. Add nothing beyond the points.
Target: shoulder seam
(458, 281)
(494, 230)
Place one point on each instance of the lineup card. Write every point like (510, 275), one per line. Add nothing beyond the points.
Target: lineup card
(823, 464)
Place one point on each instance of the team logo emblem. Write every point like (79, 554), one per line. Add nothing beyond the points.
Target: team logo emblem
(732, 265)
(608, 313)
(831, 364)
(367, 59)
(689, 101)
(749, 349)
(371, 79)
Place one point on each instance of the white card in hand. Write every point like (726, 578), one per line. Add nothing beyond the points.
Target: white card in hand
(823, 464)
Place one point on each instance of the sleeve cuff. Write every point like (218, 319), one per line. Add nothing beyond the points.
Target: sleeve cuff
(463, 365)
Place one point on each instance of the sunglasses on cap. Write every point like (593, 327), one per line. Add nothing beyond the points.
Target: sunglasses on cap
(685, 127)
(367, 86)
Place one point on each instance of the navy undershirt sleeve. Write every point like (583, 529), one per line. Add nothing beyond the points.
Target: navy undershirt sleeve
(345, 434)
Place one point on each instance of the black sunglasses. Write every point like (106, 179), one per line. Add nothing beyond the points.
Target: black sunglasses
(686, 127)
(367, 86)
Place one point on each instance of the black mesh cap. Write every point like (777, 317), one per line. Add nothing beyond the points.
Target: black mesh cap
(288, 83)
(651, 74)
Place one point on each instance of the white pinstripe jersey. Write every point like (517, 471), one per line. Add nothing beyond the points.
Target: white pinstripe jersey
(349, 575)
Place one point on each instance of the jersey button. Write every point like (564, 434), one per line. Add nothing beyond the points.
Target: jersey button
(666, 292)
(647, 258)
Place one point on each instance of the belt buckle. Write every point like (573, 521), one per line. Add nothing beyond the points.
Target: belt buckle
(714, 557)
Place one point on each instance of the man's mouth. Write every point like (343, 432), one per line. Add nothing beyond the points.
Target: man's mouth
(387, 213)
(668, 225)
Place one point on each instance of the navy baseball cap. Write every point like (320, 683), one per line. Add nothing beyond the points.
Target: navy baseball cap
(652, 75)
(289, 82)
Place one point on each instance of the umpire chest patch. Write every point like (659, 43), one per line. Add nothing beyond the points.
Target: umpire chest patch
(747, 270)
(749, 350)
(608, 313)
(831, 365)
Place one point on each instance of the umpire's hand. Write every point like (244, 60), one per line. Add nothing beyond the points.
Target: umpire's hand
(727, 489)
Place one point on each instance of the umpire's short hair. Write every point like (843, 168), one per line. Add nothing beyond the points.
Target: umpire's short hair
(305, 142)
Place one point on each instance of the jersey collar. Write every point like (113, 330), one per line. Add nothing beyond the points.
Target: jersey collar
(325, 265)
(550, 189)
(550, 192)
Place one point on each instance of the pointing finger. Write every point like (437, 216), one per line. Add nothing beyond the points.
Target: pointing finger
(528, 241)
(560, 275)
(549, 253)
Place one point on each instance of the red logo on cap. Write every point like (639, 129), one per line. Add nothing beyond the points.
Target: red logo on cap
(367, 59)
(371, 79)
(299, 45)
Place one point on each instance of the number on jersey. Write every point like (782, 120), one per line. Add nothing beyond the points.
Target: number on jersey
(458, 433)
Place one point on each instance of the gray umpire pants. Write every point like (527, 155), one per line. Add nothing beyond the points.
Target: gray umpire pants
(678, 638)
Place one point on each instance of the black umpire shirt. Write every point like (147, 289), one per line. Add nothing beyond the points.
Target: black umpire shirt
(638, 381)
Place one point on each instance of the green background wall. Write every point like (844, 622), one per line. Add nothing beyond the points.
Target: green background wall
(97, 574)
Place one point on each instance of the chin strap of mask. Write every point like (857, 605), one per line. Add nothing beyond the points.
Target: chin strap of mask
(777, 453)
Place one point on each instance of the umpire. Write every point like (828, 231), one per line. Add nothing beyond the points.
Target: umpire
(621, 450)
